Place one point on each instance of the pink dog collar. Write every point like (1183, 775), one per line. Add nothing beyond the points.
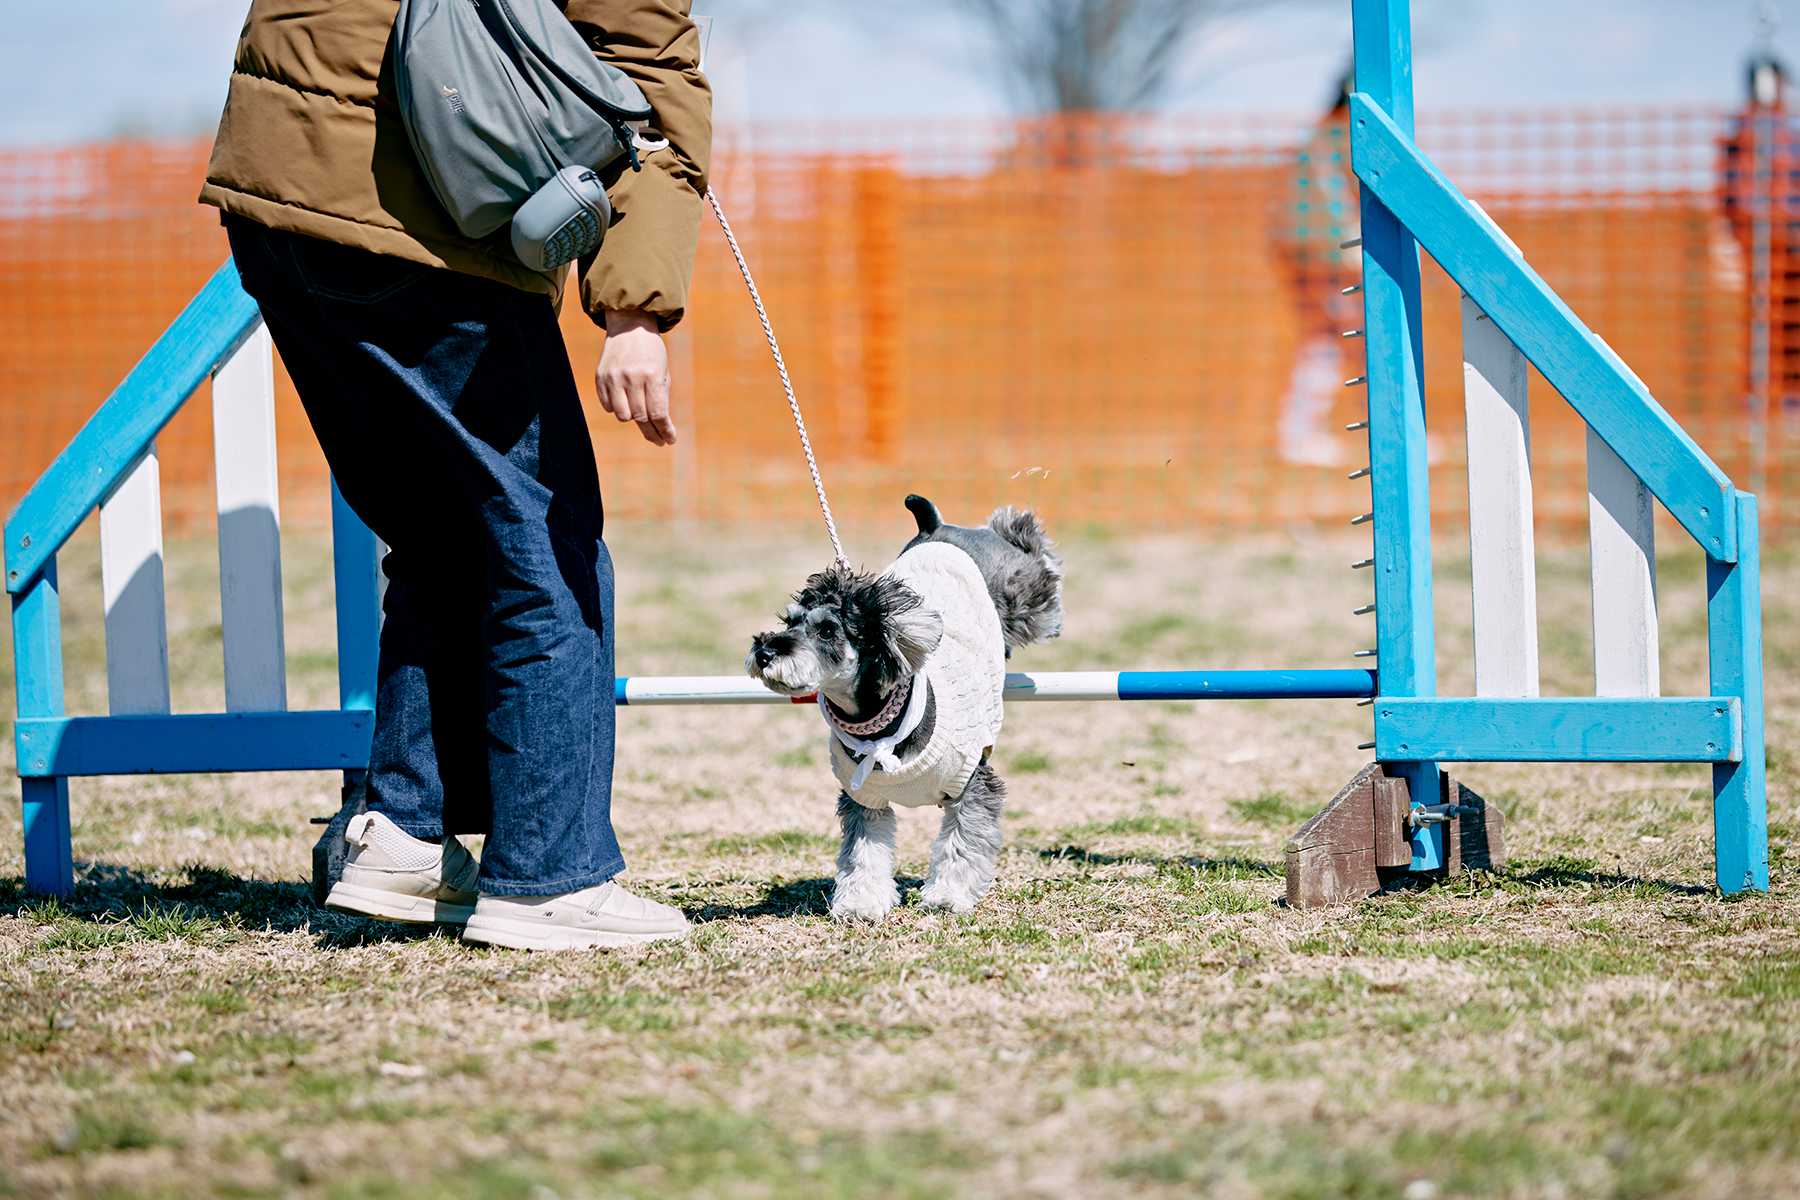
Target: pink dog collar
(881, 720)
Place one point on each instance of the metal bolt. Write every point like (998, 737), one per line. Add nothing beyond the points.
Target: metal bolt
(1350, 333)
(1351, 290)
(1362, 520)
(1357, 566)
(1358, 425)
(1438, 814)
(1353, 242)
(26, 540)
(1365, 745)
(1364, 703)
(1357, 380)
(1358, 474)
(1364, 611)
(1363, 654)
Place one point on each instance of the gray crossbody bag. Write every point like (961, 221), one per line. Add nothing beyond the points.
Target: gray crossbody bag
(511, 116)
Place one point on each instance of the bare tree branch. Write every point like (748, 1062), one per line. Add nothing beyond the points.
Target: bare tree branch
(1091, 54)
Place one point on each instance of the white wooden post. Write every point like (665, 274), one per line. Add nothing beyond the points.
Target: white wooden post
(249, 528)
(1502, 549)
(131, 585)
(1622, 550)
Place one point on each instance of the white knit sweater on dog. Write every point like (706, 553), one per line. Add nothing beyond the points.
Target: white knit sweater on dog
(967, 676)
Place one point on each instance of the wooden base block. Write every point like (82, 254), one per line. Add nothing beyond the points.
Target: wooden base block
(1475, 840)
(1364, 837)
(1393, 843)
(1332, 858)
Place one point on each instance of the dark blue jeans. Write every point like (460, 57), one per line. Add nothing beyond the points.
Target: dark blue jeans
(446, 408)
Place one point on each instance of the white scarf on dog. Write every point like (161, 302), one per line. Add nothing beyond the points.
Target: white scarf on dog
(879, 752)
(967, 676)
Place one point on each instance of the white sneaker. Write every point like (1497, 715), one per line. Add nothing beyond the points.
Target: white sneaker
(393, 876)
(606, 915)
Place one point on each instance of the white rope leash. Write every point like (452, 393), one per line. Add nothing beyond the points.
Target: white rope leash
(812, 464)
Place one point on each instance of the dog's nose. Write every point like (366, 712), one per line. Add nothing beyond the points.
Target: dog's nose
(763, 655)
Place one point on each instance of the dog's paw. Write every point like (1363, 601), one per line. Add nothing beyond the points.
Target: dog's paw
(943, 898)
(858, 902)
(859, 914)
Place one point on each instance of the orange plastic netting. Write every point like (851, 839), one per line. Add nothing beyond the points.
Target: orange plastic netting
(1128, 323)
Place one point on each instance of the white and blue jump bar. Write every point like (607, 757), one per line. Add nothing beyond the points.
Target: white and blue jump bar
(59, 746)
(1042, 685)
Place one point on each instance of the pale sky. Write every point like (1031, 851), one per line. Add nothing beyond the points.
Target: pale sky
(79, 71)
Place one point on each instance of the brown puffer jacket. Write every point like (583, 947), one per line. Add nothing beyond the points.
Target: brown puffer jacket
(312, 142)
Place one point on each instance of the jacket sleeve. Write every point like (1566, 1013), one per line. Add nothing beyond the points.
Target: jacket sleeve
(647, 259)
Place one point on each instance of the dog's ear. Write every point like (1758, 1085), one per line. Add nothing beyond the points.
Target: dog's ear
(912, 635)
(908, 631)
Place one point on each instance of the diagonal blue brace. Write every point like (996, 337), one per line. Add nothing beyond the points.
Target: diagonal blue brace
(1577, 362)
(212, 326)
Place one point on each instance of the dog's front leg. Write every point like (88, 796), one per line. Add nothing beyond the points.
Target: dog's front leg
(865, 889)
(966, 853)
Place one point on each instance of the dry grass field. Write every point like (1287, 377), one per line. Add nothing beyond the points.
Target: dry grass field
(1131, 1012)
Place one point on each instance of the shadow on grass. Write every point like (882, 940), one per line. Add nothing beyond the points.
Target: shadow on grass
(1561, 871)
(1564, 872)
(114, 903)
(1217, 868)
(787, 898)
(1550, 874)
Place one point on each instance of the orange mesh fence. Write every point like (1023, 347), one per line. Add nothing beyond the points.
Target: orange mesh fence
(1126, 322)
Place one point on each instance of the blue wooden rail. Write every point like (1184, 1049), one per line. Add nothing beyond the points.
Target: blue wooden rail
(1406, 202)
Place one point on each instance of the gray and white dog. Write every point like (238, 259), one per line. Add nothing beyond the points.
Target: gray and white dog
(909, 667)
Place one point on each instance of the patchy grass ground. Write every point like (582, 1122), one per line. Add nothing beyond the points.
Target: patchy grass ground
(1130, 1013)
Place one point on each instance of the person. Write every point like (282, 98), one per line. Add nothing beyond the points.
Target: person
(434, 373)
(1759, 196)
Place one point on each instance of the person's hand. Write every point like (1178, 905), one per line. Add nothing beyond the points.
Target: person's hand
(632, 378)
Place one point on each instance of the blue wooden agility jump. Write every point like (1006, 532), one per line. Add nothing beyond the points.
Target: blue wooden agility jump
(1406, 203)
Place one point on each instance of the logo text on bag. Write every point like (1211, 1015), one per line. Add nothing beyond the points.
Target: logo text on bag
(455, 99)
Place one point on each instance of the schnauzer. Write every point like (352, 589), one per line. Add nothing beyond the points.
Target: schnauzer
(909, 667)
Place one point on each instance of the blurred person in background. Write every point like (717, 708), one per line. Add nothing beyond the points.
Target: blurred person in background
(1759, 193)
(1317, 212)
(435, 375)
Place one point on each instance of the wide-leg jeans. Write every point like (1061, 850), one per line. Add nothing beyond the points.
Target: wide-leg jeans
(451, 420)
